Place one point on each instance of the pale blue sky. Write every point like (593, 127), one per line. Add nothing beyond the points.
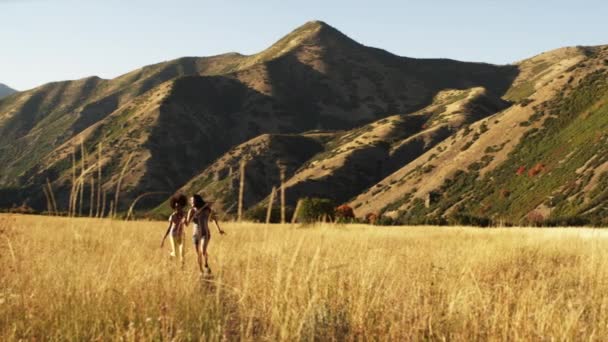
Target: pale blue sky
(52, 40)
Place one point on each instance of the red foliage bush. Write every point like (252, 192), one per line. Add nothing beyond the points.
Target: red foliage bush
(371, 218)
(537, 169)
(345, 212)
(521, 170)
(535, 218)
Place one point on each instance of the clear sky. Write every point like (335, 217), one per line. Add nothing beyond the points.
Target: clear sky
(52, 40)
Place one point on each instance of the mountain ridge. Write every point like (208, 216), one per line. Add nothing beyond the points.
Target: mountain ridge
(378, 107)
(479, 162)
(6, 90)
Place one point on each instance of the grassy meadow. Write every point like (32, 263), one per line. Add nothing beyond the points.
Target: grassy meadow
(92, 279)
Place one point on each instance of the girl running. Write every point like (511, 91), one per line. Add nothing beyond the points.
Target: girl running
(200, 214)
(176, 226)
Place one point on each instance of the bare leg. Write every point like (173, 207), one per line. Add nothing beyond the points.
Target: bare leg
(173, 242)
(199, 256)
(181, 250)
(205, 245)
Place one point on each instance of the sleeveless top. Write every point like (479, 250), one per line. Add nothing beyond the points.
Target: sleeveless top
(201, 218)
(176, 223)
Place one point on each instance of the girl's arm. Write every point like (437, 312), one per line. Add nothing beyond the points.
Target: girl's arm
(218, 227)
(217, 224)
(189, 217)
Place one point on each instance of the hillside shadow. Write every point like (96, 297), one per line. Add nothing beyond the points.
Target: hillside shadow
(202, 119)
(330, 100)
(303, 88)
(205, 116)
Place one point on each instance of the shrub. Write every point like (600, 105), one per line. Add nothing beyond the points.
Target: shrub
(504, 193)
(525, 102)
(22, 209)
(385, 221)
(259, 212)
(483, 128)
(467, 145)
(428, 168)
(468, 220)
(371, 218)
(534, 218)
(315, 209)
(344, 213)
(525, 123)
(568, 221)
(538, 168)
(256, 214)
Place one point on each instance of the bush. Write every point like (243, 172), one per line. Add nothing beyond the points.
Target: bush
(344, 213)
(537, 169)
(535, 219)
(525, 102)
(468, 220)
(315, 209)
(22, 209)
(386, 221)
(259, 212)
(371, 218)
(569, 221)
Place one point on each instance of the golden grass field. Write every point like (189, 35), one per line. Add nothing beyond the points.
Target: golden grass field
(91, 279)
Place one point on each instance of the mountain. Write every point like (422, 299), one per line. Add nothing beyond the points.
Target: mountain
(265, 155)
(163, 125)
(6, 90)
(362, 157)
(541, 161)
(340, 165)
(413, 141)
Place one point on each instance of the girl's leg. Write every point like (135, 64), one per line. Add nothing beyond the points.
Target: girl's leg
(199, 257)
(205, 245)
(181, 249)
(173, 242)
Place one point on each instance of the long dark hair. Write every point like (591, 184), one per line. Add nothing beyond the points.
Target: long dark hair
(199, 202)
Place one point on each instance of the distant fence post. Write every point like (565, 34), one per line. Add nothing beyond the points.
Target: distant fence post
(99, 182)
(270, 203)
(241, 190)
(52, 197)
(295, 213)
(282, 171)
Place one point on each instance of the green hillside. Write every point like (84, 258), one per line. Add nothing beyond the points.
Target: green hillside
(553, 172)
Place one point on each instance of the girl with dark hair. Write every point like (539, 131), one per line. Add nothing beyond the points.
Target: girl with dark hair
(200, 214)
(176, 226)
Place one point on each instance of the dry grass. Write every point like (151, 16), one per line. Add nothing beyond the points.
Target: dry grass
(91, 279)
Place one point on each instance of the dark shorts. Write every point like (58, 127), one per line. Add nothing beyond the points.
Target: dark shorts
(197, 238)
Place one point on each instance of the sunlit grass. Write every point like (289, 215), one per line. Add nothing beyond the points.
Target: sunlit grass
(83, 279)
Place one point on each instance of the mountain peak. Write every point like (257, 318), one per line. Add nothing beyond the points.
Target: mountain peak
(314, 32)
(315, 23)
(316, 29)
